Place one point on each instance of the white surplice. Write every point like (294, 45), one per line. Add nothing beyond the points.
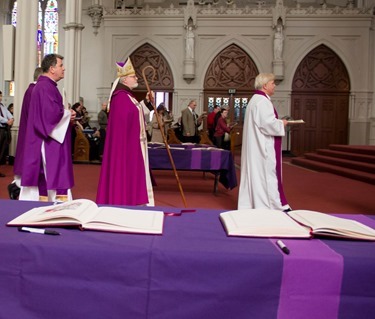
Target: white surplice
(259, 182)
(144, 113)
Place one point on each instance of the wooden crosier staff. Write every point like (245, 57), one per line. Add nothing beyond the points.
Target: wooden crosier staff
(151, 98)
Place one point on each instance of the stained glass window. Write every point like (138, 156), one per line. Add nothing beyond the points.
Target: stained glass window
(217, 100)
(47, 37)
(14, 14)
(50, 26)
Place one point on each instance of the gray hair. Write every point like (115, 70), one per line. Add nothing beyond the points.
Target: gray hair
(192, 101)
(262, 79)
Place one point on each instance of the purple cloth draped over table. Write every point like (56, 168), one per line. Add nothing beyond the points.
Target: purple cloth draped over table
(45, 112)
(193, 270)
(357, 288)
(188, 158)
(308, 289)
(122, 176)
(18, 160)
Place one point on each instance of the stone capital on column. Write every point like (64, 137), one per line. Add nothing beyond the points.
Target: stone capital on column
(95, 11)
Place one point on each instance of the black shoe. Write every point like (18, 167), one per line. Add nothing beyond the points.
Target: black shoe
(2, 175)
(287, 210)
(14, 191)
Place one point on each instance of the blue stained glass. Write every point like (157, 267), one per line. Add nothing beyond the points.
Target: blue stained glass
(14, 14)
(211, 104)
(51, 28)
(48, 38)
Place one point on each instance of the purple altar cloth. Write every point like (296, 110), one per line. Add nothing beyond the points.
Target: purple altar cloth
(308, 288)
(196, 157)
(193, 270)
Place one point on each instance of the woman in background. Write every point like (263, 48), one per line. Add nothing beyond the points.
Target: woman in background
(165, 121)
(221, 128)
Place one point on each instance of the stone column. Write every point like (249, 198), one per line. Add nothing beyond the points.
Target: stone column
(25, 58)
(72, 57)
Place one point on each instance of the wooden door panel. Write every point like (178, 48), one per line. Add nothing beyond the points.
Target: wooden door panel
(320, 96)
(310, 140)
(326, 120)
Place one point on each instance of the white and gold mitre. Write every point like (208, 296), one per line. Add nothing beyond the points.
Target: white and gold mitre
(125, 68)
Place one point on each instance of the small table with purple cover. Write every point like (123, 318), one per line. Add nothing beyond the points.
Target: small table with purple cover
(191, 271)
(196, 158)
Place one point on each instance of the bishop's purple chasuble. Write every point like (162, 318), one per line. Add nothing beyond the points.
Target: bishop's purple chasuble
(123, 173)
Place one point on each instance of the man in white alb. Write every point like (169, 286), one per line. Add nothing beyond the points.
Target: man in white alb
(261, 183)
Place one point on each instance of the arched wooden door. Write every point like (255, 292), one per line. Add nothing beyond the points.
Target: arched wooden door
(229, 82)
(320, 96)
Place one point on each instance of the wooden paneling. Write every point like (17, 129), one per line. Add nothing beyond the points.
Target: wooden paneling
(320, 96)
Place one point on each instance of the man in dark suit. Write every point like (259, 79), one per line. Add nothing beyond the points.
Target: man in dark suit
(190, 122)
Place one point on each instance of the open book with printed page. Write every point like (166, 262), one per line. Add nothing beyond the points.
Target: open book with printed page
(294, 224)
(86, 215)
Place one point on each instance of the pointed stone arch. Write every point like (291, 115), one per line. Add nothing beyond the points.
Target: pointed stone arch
(231, 68)
(229, 82)
(320, 95)
(148, 55)
(321, 70)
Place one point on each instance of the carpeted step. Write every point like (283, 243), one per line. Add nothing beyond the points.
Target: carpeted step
(357, 149)
(342, 171)
(361, 166)
(347, 155)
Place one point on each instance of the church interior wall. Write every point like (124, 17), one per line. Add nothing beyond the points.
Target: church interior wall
(123, 34)
(120, 34)
(93, 54)
(3, 18)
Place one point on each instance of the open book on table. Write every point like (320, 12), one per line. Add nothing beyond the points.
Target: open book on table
(86, 214)
(294, 224)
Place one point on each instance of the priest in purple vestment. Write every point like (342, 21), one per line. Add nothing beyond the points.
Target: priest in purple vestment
(18, 160)
(125, 175)
(47, 163)
(261, 179)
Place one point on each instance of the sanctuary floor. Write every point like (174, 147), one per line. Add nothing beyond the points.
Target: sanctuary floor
(305, 189)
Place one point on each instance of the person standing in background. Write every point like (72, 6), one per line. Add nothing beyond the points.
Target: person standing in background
(103, 116)
(103, 122)
(211, 122)
(156, 135)
(190, 123)
(11, 108)
(6, 121)
(19, 155)
(221, 128)
(261, 180)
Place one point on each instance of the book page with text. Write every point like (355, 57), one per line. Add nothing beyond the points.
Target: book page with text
(72, 212)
